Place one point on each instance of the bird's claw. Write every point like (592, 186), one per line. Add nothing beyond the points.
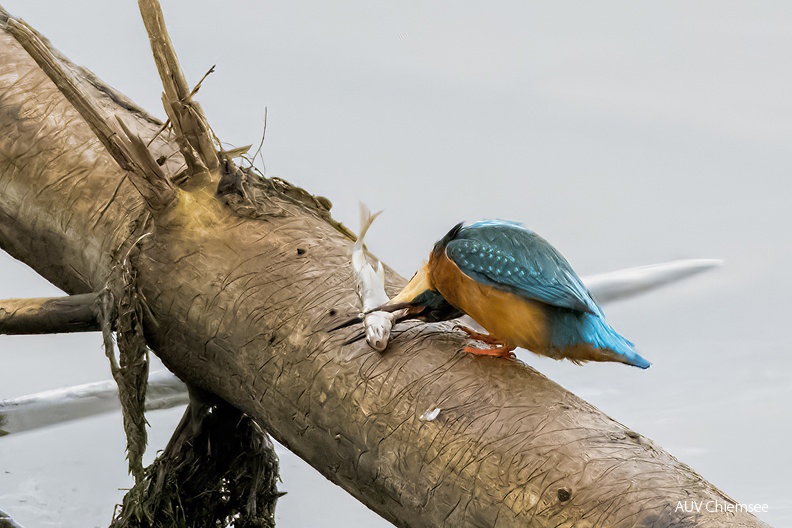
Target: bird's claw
(478, 336)
(500, 351)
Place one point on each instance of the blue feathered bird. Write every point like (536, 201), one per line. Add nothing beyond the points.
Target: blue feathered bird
(520, 289)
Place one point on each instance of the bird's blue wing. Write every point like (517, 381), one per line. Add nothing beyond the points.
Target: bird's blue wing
(511, 258)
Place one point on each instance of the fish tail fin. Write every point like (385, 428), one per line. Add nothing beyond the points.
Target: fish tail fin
(359, 260)
(366, 219)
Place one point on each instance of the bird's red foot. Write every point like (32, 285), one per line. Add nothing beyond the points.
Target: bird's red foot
(499, 351)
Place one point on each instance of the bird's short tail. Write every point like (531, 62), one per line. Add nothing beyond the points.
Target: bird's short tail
(604, 343)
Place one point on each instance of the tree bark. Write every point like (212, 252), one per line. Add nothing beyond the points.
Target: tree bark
(240, 297)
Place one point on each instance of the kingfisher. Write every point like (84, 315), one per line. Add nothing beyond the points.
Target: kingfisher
(520, 289)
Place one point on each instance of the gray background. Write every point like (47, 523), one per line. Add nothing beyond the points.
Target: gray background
(625, 133)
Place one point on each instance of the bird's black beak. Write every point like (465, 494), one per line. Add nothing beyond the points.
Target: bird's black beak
(349, 322)
(355, 338)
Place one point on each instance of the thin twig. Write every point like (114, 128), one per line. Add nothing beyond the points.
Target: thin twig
(160, 131)
(261, 143)
(205, 75)
(135, 243)
(237, 152)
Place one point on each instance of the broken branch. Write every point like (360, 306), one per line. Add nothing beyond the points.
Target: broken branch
(154, 187)
(51, 315)
(156, 182)
(47, 61)
(186, 115)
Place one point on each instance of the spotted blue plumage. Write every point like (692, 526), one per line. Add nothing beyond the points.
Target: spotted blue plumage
(507, 256)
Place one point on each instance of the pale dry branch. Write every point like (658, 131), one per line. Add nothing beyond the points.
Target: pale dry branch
(186, 115)
(52, 315)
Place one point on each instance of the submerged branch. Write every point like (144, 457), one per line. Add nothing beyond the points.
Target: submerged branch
(52, 407)
(627, 283)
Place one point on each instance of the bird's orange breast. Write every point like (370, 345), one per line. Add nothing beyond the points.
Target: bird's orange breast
(512, 319)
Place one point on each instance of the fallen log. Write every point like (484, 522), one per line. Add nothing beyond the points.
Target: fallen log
(240, 289)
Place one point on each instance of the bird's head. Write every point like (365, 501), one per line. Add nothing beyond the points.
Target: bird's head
(440, 245)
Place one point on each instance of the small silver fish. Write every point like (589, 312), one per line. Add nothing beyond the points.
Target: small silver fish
(371, 288)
